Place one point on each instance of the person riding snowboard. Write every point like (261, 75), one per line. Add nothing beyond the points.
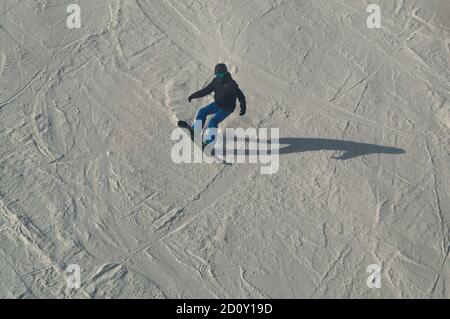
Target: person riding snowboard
(226, 90)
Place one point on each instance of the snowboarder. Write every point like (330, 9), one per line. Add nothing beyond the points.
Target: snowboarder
(226, 90)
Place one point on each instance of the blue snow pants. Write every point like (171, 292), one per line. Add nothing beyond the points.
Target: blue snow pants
(219, 116)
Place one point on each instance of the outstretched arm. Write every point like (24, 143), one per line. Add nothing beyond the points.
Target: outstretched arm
(241, 98)
(203, 92)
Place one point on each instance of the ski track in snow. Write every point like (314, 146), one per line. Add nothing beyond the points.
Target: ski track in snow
(86, 176)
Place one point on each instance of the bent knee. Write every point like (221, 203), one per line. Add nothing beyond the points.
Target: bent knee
(214, 122)
(203, 112)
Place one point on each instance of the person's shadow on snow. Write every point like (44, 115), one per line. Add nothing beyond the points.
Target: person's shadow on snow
(350, 149)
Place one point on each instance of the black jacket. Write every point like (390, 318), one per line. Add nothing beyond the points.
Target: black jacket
(226, 91)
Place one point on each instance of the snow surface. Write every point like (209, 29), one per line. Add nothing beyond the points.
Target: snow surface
(86, 175)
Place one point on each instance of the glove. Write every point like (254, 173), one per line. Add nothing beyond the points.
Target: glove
(190, 98)
(242, 112)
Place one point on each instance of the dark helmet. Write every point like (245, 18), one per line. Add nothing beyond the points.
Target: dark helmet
(220, 68)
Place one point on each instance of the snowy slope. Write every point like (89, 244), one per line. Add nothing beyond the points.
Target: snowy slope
(87, 178)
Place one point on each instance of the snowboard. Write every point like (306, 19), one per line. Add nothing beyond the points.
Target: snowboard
(185, 125)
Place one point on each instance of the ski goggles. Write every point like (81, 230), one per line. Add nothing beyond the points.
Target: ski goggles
(220, 74)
